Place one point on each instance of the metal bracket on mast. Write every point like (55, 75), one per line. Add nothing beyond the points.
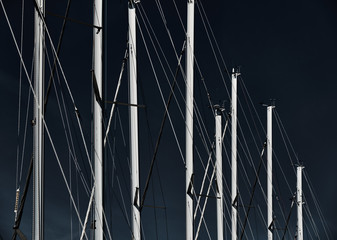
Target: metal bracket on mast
(218, 109)
(135, 200)
(216, 185)
(207, 196)
(235, 202)
(126, 104)
(96, 91)
(132, 3)
(75, 21)
(190, 186)
(236, 71)
(271, 226)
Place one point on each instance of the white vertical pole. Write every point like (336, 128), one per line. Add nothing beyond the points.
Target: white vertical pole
(133, 114)
(234, 188)
(98, 118)
(218, 150)
(189, 118)
(299, 204)
(38, 229)
(269, 173)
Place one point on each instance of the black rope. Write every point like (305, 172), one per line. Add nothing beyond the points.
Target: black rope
(23, 200)
(288, 218)
(245, 94)
(161, 131)
(75, 21)
(253, 191)
(51, 78)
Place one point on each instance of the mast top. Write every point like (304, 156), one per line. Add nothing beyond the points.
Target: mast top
(300, 165)
(271, 104)
(218, 109)
(236, 70)
(132, 3)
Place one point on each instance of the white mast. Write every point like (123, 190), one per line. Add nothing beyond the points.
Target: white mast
(269, 173)
(98, 117)
(218, 150)
(38, 230)
(189, 118)
(133, 114)
(299, 204)
(234, 189)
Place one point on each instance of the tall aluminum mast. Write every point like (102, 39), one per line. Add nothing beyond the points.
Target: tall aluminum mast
(189, 118)
(98, 117)
(299, 204)
(234, 188)
(270, 220)
(218, 150)
(133, 115)
(38, 229)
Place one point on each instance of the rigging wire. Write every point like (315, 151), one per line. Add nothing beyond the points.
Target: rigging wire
(160, 91)
(318, 209)
(66, 128)
(165, 23)
(255, 111)
(26, 126)
(161, 131)
(116, 94)
(165, 212)
(199, 2)
(44, 123)
(146, 48)
(155, 149)
(109, 146)
(210, 186)
(293, 200)
(51, 78)
(204, 207)
(71, 96)
(180, 91)
(66, 83)
(114, 155)
(274, 189)
(117, 178)
(248, 125)
(204, 178)
(212, 47)
(311, 220)
(18, 180)
(148, 27)
(283, 132)
(65, 120)
(68, 184)
(178, 13)
(253, 191)
(240, 158)
(1, 1)
(143, 12)
(121, 206)
(214, 53)
(23, 200)
(204, 142)
(286, 139)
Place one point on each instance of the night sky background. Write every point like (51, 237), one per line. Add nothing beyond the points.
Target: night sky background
(286, 51)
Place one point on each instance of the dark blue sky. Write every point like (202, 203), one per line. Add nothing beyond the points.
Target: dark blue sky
(286, 49)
